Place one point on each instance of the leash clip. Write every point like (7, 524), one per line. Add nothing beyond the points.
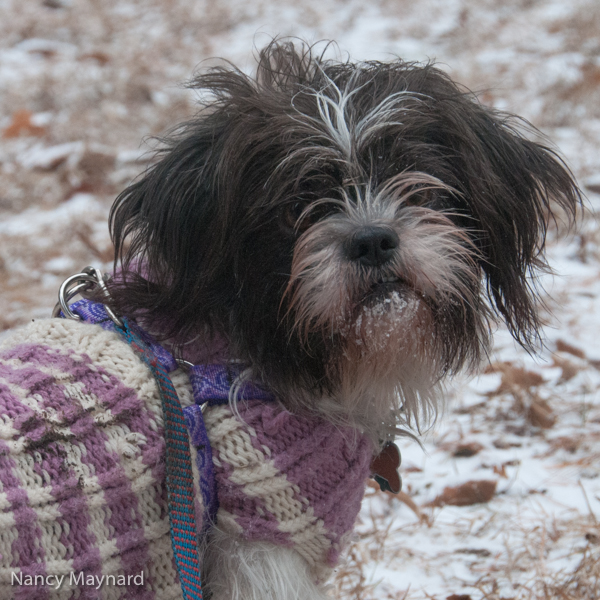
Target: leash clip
(79, 284)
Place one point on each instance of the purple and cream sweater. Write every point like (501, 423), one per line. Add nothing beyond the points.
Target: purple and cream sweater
(83, 510)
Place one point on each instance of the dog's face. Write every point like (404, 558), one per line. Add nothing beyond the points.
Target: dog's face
(349, 228)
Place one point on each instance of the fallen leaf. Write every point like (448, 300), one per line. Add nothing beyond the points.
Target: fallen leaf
(459, 597)
(565, 442)
(476, 551)
(540, 414)
(562, 346)
(466, 410)
(467, 450)
(514, 377)
(100, 57)
(21, 125)
(592, 538)
(569, 369)
(500, 470)
(504, 445)
(472, 492)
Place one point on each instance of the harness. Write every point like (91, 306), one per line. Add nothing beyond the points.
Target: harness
(212, 385)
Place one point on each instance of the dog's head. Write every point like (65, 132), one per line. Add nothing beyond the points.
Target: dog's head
(349, 228)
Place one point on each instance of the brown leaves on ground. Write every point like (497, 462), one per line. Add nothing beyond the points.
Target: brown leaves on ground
(569, 368)
(562, 346)
(467, 494)
(539, 414)
(522, 384)
(100, 57)
(462, 449)
(568, 443)
(22, 124)
(514, 377)
(592, 538)
(500, 470)
(467, 450)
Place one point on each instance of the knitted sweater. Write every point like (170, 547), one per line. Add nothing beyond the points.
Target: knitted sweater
(83, 511)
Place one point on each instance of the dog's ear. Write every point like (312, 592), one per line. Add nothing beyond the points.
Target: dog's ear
(514, 188)
(165, 229)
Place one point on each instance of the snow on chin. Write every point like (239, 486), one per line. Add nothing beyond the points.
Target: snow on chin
(396, 320)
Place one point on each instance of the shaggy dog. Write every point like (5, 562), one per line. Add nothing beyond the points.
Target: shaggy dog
(340, 235)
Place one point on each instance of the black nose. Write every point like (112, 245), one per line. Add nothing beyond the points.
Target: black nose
(372, 246)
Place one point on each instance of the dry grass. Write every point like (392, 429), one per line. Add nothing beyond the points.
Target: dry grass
(104, 76)
(520, 572)
(542, 583)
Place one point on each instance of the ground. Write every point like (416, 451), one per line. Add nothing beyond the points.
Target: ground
(502, 501)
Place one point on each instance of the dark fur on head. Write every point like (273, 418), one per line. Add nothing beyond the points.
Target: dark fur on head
(348, 228)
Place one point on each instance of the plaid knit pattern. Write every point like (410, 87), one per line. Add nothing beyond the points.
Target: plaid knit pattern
(82, 469)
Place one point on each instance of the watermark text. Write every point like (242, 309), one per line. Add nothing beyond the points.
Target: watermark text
(80, 579)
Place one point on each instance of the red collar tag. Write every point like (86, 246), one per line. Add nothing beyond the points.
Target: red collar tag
(384, 469)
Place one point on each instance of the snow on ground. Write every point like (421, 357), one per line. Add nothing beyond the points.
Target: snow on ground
(82, 83)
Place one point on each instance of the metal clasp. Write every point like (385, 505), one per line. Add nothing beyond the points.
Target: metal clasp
(78, 284)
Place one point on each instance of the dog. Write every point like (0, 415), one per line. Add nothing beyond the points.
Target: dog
(347, 232)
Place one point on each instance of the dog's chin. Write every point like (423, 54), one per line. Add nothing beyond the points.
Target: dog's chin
(392, 318)
(382, 291)
(386, 357)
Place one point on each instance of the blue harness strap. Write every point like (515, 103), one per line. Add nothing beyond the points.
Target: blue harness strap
(179, 477)
(211, 384)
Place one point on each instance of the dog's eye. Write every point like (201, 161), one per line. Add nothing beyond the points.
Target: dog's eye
(292, 212)
(295, 215)
(422, 197)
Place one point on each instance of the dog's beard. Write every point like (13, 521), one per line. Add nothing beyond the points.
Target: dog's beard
(393, 331)
(387, 358)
